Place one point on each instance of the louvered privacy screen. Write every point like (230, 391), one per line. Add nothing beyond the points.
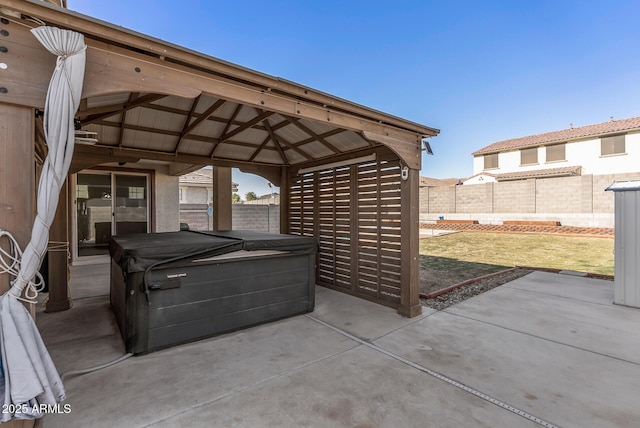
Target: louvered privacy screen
(354, 211)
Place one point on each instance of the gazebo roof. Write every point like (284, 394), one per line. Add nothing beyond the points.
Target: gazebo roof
(149, 99)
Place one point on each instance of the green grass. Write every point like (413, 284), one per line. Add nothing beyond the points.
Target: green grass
(475, 254)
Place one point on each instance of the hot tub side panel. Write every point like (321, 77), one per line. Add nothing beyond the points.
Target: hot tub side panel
(202, 299)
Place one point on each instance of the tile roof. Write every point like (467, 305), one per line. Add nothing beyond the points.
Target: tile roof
(539, 173)
(612, 126)
(203, 176)
(433, 182)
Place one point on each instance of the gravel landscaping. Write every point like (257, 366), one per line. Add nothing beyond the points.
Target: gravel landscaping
(473, 289)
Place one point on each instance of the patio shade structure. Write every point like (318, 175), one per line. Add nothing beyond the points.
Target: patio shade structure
(30, 377)
(348, 174)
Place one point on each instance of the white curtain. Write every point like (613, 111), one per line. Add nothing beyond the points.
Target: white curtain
(29, 377)
(63, 98)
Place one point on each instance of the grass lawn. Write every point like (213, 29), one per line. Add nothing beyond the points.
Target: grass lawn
(449, 259)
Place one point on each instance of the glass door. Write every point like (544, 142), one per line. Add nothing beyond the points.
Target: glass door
(94, 213)
(130, 203)
(109, 204)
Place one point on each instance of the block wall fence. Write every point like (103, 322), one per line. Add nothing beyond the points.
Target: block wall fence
(574, 201)
(263, 218)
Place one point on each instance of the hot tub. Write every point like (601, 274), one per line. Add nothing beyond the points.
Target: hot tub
(176, 287)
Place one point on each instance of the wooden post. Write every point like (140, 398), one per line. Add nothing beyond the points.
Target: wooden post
(285, 223)
(59, 299)
(221, 198)
(17, 181)
(410, 231)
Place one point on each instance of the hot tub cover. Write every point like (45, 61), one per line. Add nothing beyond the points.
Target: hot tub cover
(139, 251)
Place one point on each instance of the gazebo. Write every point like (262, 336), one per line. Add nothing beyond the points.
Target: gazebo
(348, 174)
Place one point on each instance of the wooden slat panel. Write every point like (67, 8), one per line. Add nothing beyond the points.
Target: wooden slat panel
(355, 213)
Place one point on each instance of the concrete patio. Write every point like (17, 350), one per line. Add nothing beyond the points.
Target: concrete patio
(551, 346)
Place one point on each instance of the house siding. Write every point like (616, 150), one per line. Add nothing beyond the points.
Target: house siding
(584, 153)
(194, 195)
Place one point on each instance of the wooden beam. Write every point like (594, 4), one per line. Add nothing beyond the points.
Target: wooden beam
(138, 102)
(177, 168)
(328, 134)
(410, 238)
(269, 173)
(134, 66)
(409, 150)
(227, 126)
(264, 143)
(59, 299)
(105, 154)
(259, 118)
(29, 65)
(276, 141)
(204, 116)
(339, 158)
(123, 120)
(296, 122)
(222, 198)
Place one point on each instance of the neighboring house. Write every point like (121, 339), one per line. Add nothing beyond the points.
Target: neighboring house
(555, 176)
(606, 148)
(483, 177)
(197, 187)
(268, 199)
(434, 182)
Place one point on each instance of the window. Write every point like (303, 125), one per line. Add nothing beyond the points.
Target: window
(136, 192)
(181, 195)
(556, 153)
(529, 156)
(612, 145)
(491, 161)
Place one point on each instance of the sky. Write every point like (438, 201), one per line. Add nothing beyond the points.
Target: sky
(480, 71)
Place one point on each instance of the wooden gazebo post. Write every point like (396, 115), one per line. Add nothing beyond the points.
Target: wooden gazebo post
(410, 238)
(59, 299)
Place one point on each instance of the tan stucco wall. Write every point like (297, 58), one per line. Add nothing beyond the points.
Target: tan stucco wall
(167, 206)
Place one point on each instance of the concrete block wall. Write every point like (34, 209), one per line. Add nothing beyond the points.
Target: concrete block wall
(424, 200)
(514, 197)
(441, 199)
(474, 199)
(263, 218)
(574, 201)
(195, 215)
(559, 195)
(604, 201)
(587, 194)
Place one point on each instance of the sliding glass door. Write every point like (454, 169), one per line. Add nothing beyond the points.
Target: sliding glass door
(109, 204)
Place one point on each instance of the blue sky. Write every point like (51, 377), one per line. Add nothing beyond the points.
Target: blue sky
(480, 72)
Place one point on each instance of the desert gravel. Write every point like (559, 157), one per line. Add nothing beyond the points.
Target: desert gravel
(463, 293)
